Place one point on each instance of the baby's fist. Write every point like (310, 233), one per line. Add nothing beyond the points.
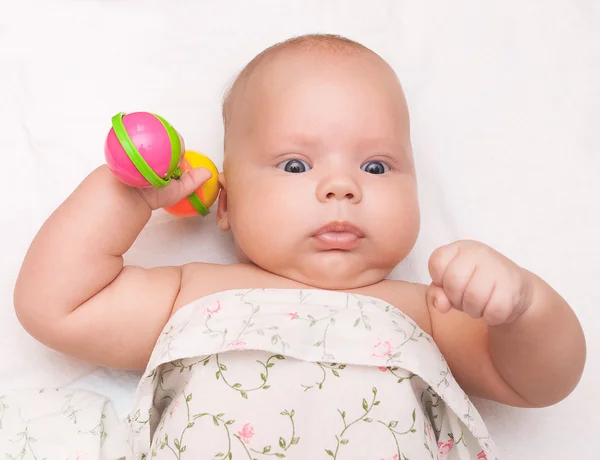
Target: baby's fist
(472, 277)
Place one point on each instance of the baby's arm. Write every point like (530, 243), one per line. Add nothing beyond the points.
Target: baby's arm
(73, 293)
(516, 341)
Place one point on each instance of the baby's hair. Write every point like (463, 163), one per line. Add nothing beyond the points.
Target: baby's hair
(327, 43)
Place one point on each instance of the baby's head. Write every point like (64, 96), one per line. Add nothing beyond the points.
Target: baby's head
(318, 179)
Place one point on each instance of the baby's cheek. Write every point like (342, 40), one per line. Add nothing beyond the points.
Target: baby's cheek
(402, 226)
(257, 227)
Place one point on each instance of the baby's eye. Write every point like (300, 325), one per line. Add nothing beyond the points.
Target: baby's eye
(294, 166)
(375, 167)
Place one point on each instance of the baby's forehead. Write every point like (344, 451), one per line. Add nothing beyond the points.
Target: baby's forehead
(273, 84)
(305, 51)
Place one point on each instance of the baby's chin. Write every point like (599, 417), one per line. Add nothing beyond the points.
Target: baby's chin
(336, 277)
(339, 282)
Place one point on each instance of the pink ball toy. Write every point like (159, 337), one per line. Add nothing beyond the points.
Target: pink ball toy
(149, 136)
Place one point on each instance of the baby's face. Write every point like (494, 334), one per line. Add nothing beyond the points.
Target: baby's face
(319, 178)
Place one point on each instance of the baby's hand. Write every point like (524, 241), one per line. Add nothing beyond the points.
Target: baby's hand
(177, 189)
(474, 278)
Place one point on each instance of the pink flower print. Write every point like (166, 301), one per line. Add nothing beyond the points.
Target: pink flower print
(382, 368)
(213, 308)
(394, 457)
(239, 344)
(293, 315)
(246, 433)
(445, 447)
(481, 456)
(175, 406)
(385, 349)
(80, 456)
(428, 431)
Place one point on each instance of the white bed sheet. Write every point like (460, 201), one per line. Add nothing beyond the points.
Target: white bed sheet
(505, 105)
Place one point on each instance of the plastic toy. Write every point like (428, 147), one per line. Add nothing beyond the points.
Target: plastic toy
(207, 193)
(142, 149)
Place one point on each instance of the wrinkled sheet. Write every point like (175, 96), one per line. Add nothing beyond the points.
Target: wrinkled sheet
(504, 100)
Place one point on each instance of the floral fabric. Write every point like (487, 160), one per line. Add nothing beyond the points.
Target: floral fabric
(300, 374)
(253, 374)
(59, 424)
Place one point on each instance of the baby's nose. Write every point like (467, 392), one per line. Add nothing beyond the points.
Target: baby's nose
(339, 188)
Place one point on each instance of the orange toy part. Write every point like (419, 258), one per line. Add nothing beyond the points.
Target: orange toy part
(208, 192)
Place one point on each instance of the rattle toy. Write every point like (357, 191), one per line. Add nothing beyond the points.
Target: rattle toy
(143, 150)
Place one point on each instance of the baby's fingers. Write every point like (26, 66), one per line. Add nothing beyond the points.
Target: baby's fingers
(436, 298)
(178, 189)
(439, 261)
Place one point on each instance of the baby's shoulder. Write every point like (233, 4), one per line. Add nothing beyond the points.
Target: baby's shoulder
(407, 297)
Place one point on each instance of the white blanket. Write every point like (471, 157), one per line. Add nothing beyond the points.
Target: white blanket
(504, 101)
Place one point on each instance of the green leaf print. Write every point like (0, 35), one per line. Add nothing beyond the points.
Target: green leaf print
(364, 417)
(26, 446)
(401, 378)
(333, 367)
(264, 376)
(220, 422)
(282, 444)
(391, 428)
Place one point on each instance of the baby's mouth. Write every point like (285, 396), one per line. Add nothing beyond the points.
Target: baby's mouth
(338, 236)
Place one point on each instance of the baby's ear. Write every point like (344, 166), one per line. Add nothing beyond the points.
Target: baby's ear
(222, 216)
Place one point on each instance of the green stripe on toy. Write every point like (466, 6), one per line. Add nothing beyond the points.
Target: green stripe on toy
(134, 155)
(175, 145)
(197, 204)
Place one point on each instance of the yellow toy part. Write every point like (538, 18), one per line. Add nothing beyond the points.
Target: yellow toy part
(205, 196)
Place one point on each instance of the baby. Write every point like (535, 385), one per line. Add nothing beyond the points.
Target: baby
(304, 349)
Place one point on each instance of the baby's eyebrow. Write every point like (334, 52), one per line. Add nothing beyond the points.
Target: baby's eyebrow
(380, 143)
(301, 140)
